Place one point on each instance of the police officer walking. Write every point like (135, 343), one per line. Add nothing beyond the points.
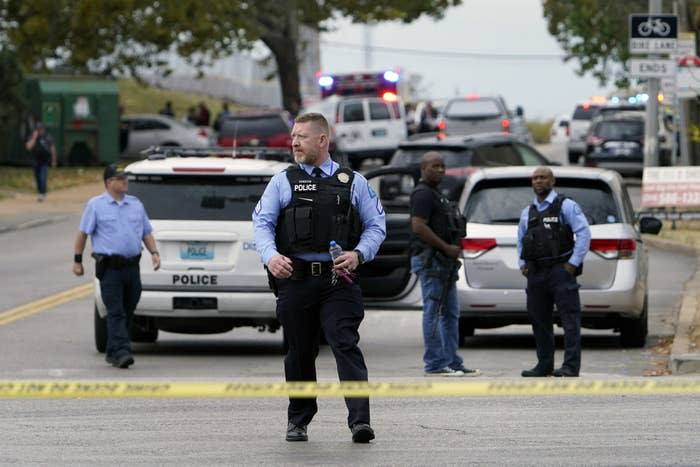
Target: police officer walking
(117, 223)
(301, 211)
(436, 229)
(551, 258)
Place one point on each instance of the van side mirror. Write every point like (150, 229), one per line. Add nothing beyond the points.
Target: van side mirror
(650, 225)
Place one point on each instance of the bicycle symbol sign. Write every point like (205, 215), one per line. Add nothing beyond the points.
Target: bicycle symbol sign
(653, 33)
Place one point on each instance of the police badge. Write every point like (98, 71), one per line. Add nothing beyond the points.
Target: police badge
(343, 177)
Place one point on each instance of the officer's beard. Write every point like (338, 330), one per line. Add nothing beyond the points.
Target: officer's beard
(304, 158)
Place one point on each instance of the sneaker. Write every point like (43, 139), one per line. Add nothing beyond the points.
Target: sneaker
(41, 198)
(468, 371)
(447, 371)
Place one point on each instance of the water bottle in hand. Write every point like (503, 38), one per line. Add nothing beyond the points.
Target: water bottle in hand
(335, 250)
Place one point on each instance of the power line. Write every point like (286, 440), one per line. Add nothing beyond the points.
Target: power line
(446, 53)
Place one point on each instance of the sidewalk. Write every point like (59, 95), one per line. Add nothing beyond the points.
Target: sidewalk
(23, 211)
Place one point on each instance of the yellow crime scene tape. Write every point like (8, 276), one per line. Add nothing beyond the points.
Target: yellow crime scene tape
(26, 389)
(44, 304)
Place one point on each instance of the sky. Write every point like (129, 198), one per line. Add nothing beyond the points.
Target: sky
(544, 87)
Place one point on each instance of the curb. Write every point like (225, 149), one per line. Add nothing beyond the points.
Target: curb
(682, 360)
(32, 223)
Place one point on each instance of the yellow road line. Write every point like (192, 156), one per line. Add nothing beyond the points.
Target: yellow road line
(44, 304)
(26, 389)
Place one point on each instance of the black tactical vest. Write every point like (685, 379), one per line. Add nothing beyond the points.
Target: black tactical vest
(447, 221)
(547, 237)
(321, 210)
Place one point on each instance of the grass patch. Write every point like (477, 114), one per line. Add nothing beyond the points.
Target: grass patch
(144, 99)
(687, 232)
(540, 130)
(21, 179)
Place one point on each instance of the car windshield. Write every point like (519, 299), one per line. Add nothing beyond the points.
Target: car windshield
(472, 108)
(620, 130)
(198, 198)
(454, 157)
(267, 125)
(502, 201)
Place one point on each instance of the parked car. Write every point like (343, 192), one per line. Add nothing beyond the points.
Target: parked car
(145, 130)
(579, 125)
(616, 141)
(483, 114)
(264, 128)
(561, 129)
(363, 127)
(211, 279)
(462, 154)
(613, 292)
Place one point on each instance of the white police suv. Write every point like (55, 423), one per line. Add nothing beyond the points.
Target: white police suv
(200, 203)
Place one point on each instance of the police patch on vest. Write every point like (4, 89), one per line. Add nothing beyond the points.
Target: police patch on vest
(303, 187)
(550, 219)
(343, 177)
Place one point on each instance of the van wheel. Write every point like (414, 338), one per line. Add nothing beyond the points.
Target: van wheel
(100, 332)
(633, 331)
(573, 158)
(466, 329)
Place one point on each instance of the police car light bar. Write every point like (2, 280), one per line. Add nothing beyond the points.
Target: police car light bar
(355, 84)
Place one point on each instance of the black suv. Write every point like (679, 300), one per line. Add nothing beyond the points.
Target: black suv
(462, 154)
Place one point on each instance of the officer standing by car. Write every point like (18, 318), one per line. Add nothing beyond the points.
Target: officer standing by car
(553, 238)
(301, 211)
(436, 229)
(117, 223)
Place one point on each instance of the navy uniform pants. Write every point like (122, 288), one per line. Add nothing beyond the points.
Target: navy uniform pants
(121, 291)
(305, 308)
(547, 286)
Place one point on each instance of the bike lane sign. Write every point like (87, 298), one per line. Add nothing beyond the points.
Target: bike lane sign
(653, 33)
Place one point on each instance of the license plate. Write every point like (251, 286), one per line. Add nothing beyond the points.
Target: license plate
(197, 251)
(379, 132)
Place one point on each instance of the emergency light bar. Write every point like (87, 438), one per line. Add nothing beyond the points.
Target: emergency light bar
(360, 84)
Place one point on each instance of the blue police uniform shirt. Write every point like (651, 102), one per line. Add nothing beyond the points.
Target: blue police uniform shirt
(115, 227)
(571, 215)
(278, 194)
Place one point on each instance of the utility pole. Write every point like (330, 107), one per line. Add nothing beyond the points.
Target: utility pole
(651, 139)
(367, 45)
(680, 9)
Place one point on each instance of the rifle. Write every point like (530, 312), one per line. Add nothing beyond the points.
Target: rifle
(451, 266)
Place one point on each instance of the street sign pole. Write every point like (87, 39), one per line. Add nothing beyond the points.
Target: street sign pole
(651, 143)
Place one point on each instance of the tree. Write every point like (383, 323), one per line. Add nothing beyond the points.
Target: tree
(124, 36)
(11, 82)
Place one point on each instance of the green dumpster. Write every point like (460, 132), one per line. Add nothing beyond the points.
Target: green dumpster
(80, 114)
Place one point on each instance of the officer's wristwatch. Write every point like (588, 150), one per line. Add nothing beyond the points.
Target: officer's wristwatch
(360, 256)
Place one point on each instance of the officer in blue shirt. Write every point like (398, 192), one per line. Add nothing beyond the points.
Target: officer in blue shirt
(551, 258)
(300, 212)
(117, 224)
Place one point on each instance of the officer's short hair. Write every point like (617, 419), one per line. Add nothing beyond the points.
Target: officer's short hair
(318, 119)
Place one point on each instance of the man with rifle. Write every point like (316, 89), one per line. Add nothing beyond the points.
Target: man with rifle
(436, 229)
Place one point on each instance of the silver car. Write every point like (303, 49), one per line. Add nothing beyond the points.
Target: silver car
(143, 131)
(483, 114)
(613, 290)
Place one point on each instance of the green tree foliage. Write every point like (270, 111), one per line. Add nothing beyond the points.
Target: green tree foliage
(123, 36)
(593, 32)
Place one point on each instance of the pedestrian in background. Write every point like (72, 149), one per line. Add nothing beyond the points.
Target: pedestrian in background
(225, 112)
(40, 146)
(167, 110)
(117, 224)
(203, 116)
(301, 211)
(551, 258)
(436, 229)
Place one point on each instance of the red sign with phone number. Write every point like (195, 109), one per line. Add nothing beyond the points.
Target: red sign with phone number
(670, 187)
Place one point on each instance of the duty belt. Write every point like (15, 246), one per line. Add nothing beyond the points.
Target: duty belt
(116, 261)
(302, 269)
